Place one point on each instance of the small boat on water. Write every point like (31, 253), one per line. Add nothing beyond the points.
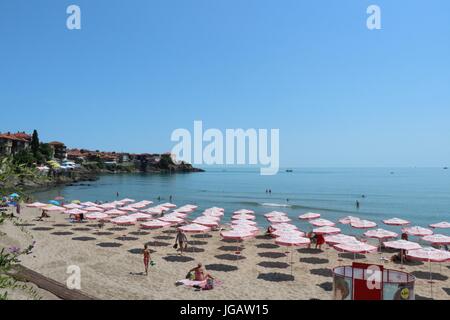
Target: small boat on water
(289, 170)
(445, 168)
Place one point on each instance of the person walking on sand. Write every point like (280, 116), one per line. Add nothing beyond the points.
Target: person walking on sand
(117, 194)
(181, 241)
(357, 204)
(146, 253)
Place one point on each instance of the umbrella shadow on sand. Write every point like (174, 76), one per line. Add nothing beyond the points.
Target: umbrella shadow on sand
(447, 291)
(425, 275)
(221, 267)
(158, 244)
(84, 238)
(273, 264)
(164, 238)
(322, 272)
(272, 255)
(125, 238)
(62, 233)
(229, 257)
(326, 286)
(314, 260)
(29, 225)
(193, 249)
(103, 233)
(139, 233)
(81, 229)
(309, 250)
(139, 251)
(197, 243)
(230, 248)
(178, 258)
(275, 277)
(352, 256)
(267, 246)
(42, 229)
(109, 244)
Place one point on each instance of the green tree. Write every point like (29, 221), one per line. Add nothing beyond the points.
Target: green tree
(35, 143)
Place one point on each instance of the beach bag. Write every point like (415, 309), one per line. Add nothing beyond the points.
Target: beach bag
(175, 246)
(209, 284)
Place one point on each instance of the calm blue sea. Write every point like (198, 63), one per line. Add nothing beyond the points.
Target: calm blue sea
(421, 195)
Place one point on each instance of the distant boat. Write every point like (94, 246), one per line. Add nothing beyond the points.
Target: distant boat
(445, 168)
(289, 170)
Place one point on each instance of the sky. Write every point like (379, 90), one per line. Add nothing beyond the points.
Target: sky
(340, 94)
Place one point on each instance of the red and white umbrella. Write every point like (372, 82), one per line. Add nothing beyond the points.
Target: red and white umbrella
(355, 247)
(194, 228)
(115, 212)
(127, 200)
(76, 211)
(107, 206)
(252, 229)
(327, 230)
(440, 225)
(129, 209)
(244, 222)
(437, 239)
(88, 204)
(72, 206)
(363, 224)
(206, 222)
(244, 211)
(139, 216)
(213, 213)
(348, 219)
(96, 216)
(431, 255)
(275, 214)
(243, 216)
(284, 225)
(291, 232)
(309, 216)
(322, 223)
(154, 210)
(396, 222)
(137, 205)
(54, 209)
(402, 245)
(380, 234)
(338, 238)
(185, 209)
(292, 240)
(168, 205)
(237, 234)
(417, 231)
(279, 219)
(123, 220)
(155, 224)
(171, 219)
(93, 209)
(179, 214)
(37, 205)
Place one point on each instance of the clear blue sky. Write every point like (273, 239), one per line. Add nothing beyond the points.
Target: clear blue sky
(340, 94)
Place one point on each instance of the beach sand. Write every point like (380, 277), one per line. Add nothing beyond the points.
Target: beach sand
(111, 263)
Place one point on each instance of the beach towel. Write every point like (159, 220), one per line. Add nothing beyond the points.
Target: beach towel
(197, 284)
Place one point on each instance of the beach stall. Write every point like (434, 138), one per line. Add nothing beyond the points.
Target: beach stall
(362, 281)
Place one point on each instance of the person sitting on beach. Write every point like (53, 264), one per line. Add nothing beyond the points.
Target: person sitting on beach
(270, 230)
(312, 237)
(43, 215)
(200, 274)
(404, 236)
(181, 241)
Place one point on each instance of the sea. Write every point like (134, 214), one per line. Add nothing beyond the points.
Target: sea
(420, 195)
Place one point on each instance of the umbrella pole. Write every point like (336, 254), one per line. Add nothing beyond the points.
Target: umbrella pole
(431, 281)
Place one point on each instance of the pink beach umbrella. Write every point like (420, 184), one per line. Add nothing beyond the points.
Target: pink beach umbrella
(243, 227)
(127, 200)
(322, 223)
(417, 231)
(138, 205)
(206, 222)
(37, 205)
(291, 232)
(139, 216)
(179, 214)
(171, 219)
(355, 247)
(129, 209)
(213, 213)
(243, 222)
(244, 211)
(97, 216)
(115, 212)
(72, 206)
(194, 228)
(284, 225)
(54, 209)
(348, 219)
(185, 209)
(441, 225)
(88, 204)
(278, 219)
(437, 239)
(76, 211)
(107, 206)
(237, 234)
(275, 214)
(93, 209)
(292, 240)
(155, 224)
(338, 238)
(380, 234)
(243, 216)
(402, 245)
(153, 210)
(168, 205)
(124, 220)
(431, 255)
(396, 222)
(363, 224)
(309, 216)
(327, 230)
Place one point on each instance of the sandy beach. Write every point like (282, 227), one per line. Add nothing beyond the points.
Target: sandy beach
(111, 264)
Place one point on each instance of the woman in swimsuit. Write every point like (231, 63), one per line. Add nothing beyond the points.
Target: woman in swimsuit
(200, 274)
(146, 258)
